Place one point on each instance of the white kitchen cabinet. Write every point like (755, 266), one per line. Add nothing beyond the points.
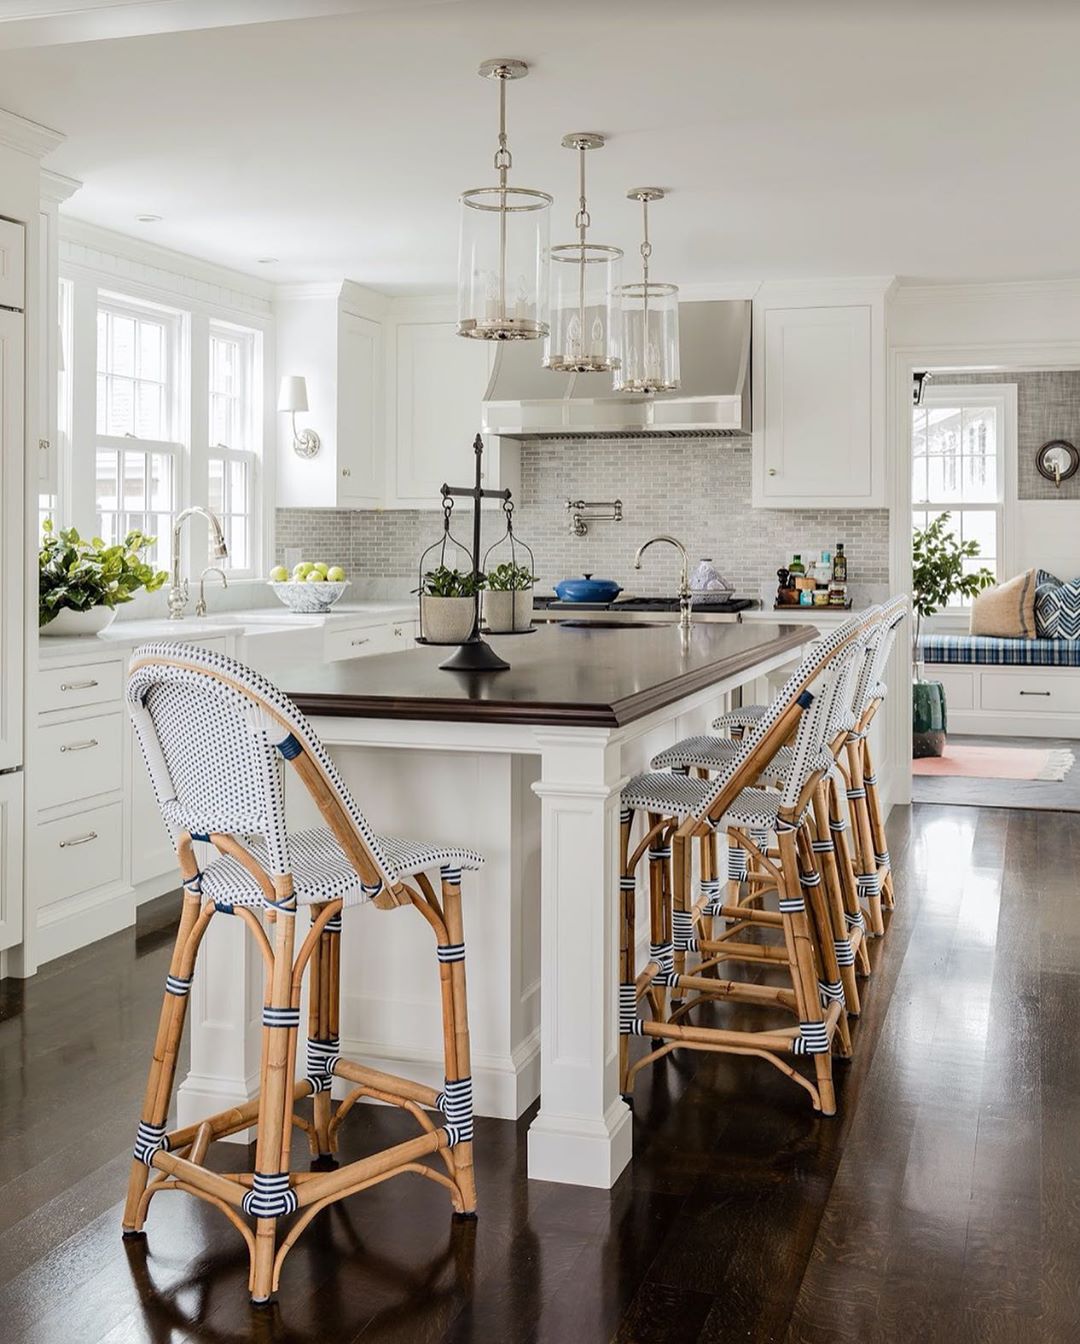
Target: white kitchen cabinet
(439, 382)
(359, 456)
(12, 557)
(819, 408)
(12, 264)
(11, 859)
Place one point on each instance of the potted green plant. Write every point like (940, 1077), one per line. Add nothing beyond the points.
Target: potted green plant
(448, 604)
(81, 583)
(938, 575)
(508, 598)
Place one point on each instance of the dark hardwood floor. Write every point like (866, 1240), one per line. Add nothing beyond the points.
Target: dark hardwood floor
(941, 1204)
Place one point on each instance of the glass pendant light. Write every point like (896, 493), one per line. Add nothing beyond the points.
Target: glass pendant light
(503, 254)
(583, 336)
(648, 321)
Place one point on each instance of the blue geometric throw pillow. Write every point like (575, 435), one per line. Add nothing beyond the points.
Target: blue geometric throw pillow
(1057, 609)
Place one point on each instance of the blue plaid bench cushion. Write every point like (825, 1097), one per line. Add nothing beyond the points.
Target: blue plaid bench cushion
(989, 651)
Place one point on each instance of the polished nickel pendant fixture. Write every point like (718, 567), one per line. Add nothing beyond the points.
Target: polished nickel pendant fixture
(584, 334)
(503, 253)
(648, 321)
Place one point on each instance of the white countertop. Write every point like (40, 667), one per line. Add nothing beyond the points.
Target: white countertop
(123, 635)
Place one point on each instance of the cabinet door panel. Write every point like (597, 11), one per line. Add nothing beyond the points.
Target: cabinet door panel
(441, 381)
(359, 462)
(12, 264)
(11, 859)
(817, 412)
(12, 559)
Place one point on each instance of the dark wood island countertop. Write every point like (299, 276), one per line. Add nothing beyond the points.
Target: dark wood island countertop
(560, 676)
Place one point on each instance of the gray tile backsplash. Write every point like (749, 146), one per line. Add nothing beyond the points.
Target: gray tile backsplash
(695, 489)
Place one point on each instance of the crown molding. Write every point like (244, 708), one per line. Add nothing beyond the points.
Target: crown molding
(28, 137)
(93, 238)
(986, 291)
(315, 289)
(56, 188)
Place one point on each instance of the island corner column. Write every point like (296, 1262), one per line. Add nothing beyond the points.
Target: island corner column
(583, 1133)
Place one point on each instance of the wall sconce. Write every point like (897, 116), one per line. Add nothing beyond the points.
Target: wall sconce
(292, 397)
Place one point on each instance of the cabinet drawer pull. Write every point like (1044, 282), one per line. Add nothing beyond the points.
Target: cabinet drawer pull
(79, 840)
(77, 685)
(356, 642)
(80, 746)
(772, 471)
(1034, 692)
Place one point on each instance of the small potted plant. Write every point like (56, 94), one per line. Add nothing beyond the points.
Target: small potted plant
(937, 577)
(81, 583)
(508, 599)
(448, 604)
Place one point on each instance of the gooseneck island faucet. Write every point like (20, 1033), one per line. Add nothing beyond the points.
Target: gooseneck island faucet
(178, 585)
(686, 600)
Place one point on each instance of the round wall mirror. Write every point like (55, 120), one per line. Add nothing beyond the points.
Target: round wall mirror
(1057, 460)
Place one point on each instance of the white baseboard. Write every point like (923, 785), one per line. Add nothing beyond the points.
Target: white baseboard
(502, 1087)
(200, 1096)
(154, 887)
(83, 919)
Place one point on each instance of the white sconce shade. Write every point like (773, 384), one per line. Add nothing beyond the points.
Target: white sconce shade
(292, 394)
(292, 397)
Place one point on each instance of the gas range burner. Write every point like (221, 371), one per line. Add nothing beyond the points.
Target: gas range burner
(702, 602)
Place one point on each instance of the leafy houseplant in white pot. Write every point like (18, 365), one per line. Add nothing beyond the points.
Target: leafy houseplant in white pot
(448, 605)
(937, 576)
(508, 599)
(81, 583)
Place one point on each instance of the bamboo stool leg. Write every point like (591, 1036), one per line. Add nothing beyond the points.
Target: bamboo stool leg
(322, 1046)
(661, 950)
(824, 851)
(627, 945)
(813, 1036)
(830, 984)
(682, 920)
(159, 1085)
(710, 882)
(853, 915)
(867, 871)
(457, 1101)
(877, 827)
(271, 1195)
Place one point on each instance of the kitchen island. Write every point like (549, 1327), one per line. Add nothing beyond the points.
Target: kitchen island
(525, 766)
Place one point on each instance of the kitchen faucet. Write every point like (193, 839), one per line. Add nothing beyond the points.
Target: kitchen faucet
(686, 601)
(178, 586)
(200, 606)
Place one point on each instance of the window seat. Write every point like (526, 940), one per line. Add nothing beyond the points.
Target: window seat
(987, 651)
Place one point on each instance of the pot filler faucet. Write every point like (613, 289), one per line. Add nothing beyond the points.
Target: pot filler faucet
(178, 586)
(686, 601)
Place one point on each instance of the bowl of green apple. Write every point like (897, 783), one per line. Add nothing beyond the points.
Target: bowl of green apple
(310, 588)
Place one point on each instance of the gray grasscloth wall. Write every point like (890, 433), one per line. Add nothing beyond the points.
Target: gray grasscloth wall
(696, 489)
(1047, 407)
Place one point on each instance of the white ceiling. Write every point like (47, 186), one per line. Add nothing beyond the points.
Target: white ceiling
(937, 141)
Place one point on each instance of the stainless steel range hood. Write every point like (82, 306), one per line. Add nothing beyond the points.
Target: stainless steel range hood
(526, 401)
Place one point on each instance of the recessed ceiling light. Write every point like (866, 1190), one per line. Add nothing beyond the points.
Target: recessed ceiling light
(266, 261)
(148, 219)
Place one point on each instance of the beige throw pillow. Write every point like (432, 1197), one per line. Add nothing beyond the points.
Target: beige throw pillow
(1007, 611)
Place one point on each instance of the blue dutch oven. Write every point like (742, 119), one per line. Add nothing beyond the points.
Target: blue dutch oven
(587, 589)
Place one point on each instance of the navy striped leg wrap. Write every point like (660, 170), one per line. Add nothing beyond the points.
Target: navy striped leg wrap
(149, 1139)
(333, 924)
(868, 884)
(792, 905)
(737, 862)
(178, 985)
(369, 890)
(286, 906)
(855, 921)
(223, 907)
(629, 1022)
(450, 952)
(831, 991)
(810, 879)
(450, 875)
(813, 1039)
(626, 816)
(627, 882)
(664, 956)
(683, 927)
(456, 1103)
(837, 824)
(710, 891)
(823, 847)
(270, 1196)
(883, 860)
(322, 1058)
(193, 884)
(855, 794)
(845, 953)
(659, 855)
(281, 1017)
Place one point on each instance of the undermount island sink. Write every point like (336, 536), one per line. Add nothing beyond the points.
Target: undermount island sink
(613, 624)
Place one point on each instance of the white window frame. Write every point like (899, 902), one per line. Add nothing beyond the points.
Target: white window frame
(1003, 398)
(244, 452)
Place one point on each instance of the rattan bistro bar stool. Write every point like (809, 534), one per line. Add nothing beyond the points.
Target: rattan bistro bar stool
(679, 809)
(214, 735)
(825, 820)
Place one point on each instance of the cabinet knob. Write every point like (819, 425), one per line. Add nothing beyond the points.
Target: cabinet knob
(772, 471)
(346, 471)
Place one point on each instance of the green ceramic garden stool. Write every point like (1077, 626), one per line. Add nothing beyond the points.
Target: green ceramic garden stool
(929, 720)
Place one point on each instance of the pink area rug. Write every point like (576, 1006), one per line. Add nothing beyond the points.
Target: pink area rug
(997, 763)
